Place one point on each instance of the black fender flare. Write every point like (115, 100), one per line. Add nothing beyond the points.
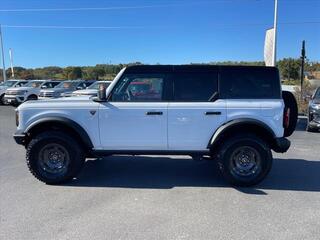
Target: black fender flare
(237, 122)
(66, 122)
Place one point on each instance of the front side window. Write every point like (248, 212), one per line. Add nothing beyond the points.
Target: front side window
(49, 85)
(20, 84)
(34, 84)
(139, 88)
(195, 86)
(99, 85)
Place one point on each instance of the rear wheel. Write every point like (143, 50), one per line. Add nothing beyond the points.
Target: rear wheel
(245, 160)
(54, 157)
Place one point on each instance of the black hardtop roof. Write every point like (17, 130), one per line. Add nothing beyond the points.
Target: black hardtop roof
(190, 67)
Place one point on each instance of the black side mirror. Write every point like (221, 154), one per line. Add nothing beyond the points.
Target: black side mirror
(102, 96)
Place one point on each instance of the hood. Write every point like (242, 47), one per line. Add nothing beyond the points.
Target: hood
(70, 102)
(19, 88)
(86, 91)
(55, 90)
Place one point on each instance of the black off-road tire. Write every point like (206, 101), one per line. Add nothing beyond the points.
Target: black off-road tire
(74, 151)
(226, 163)
(290, 103)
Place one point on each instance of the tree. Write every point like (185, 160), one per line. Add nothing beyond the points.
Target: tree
(72, 72)
(289, 68)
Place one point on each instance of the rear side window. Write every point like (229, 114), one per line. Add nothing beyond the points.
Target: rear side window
(194, 86)
(250, 83)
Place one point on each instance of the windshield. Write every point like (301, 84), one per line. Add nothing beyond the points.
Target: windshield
(8, 83)
(34, 84)
(97, 85)
(67, 84)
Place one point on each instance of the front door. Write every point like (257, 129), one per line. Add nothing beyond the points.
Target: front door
(135, 117)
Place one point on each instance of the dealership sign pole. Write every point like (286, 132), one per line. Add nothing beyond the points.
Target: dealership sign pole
(11, 62)
(270, 43)
(2, 53)
(275, 23)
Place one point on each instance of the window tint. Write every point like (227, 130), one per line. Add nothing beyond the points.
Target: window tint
(49, 85)
(139, 88)
(194, 86)
(250, 83)
(20, 84)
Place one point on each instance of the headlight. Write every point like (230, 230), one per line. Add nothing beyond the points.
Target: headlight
(17, 118)
(315, 106)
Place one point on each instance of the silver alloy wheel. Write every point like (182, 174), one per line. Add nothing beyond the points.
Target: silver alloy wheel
(245, 162)
(54, 159)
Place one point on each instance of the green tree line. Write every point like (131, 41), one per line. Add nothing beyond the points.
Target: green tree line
(289, 69)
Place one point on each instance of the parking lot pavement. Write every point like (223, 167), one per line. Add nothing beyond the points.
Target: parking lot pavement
(150, 197)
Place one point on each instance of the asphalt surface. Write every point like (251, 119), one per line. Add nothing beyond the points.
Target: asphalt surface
(127, 197)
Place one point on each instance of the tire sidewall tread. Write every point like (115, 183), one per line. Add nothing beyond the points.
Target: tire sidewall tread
(251, 140)
(76, 154)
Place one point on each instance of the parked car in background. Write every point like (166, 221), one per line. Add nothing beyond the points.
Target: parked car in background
(29, 91)
(10, 84)
(92, 90)
(314, 112)
(64, 89)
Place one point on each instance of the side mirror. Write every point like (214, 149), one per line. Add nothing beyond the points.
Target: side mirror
(102, 96)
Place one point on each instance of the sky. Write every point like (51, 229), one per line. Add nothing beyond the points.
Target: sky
(68, 33)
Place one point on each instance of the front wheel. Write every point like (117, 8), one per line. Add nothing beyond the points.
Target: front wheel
(245, 160)
(54, 157)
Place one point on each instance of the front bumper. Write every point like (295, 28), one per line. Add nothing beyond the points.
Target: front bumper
(13, 99)
(20, 138)
(314, 117)
(281, 145)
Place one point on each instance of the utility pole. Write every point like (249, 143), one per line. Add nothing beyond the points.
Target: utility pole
(275, 25)
(2, 53)
(11, 62)
(303, 57)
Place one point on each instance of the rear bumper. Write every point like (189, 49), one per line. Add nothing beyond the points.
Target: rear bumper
(281, 145)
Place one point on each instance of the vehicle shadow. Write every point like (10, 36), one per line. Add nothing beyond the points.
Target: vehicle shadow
(166, 173)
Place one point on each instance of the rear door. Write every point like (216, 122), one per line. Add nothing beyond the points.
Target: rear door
(196, 110)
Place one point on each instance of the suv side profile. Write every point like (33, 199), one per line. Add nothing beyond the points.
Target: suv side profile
(64, 89)
(236, 115)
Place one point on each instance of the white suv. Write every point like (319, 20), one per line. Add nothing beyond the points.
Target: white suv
(235, 115)
(10, 84)
(29, 91)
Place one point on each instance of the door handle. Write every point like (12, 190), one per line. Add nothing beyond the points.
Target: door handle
(212, 113)
(154, 113)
